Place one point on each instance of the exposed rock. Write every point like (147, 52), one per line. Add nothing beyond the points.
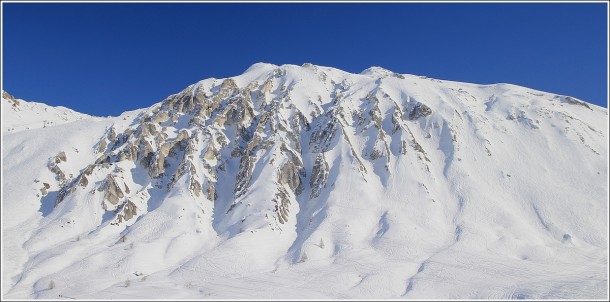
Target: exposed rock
(89, 169)
(396, 119)
(112, 136)
(63, 192)
(419, 110)
(129, 211)
(289, 175)
(61, 156)
(197, 121)
(419, 149)
(195, 187)
(160, 138)
(14, 102)
(220, 120)
(53, 167)
(299, 122)
(127, 134)
(323, 135)
(236, 152)
(319, 176)
(191, 146)
(574, 101)
(211, 192)
(222, 140)
(403, 147)
(227, 88)
(130, 152)
(211, 152)
(83, 181)
(375, 114)
(179, 173)
(294, 157)
(377, 153)
(156, 164)
(182, 135)
(44, 189)
(246, 165)
(146, 150)
(282, 203)
(147, 129)
(160, 117)
(101, 146)
(112, 191)
(103, 159)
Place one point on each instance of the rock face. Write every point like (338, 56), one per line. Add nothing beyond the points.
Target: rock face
(419, 110)
(54, 167)
(111, 189)
(319, 176)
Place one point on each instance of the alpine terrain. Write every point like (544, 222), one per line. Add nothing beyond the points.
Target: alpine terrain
(308, 182)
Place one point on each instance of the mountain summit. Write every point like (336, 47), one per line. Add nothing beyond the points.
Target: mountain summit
(311, 182)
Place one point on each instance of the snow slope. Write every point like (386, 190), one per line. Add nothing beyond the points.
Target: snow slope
(20, 115)
(310, 182)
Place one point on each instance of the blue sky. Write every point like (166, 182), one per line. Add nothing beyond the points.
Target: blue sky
(105, 58)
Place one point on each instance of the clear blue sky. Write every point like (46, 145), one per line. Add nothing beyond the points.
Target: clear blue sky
(106, 58)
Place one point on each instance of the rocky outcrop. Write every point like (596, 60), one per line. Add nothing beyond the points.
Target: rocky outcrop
(417, 147)
(246, 165)
(129, 152)
(11, 99)
(127, 211)
(195, 187)
(571, 100)
(323, 134)
(290, 176)
(45, 187)
(101, 146)
(112, 190)
(161, 117)
(282, 203)
(61, 156)
(375, 114)
(419, 110)
(83, 181)
(319, 176)
(54, 167)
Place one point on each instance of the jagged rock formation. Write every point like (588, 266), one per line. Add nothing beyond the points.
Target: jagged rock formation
(319, 176)
(54, 167)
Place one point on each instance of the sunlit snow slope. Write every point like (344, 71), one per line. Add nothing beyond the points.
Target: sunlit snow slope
(310, 182)
(21, 115)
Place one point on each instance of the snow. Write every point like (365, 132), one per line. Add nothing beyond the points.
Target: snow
(19, 115)
(506, 197)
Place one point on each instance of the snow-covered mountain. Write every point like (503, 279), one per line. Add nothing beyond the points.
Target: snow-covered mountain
(310, 182)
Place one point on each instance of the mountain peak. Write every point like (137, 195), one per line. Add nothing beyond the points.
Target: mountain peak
(377, 71)
(260, 66)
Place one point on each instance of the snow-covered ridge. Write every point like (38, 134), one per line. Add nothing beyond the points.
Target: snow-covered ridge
(23, 115)
(317, 183)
